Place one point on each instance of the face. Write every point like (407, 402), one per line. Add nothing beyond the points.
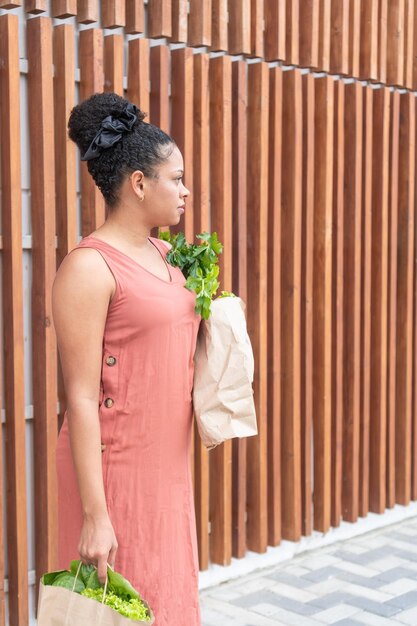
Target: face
(162, 199)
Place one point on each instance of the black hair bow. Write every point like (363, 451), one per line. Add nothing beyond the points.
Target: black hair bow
(111, 131)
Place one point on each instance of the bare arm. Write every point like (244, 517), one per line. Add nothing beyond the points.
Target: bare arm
(81, 294)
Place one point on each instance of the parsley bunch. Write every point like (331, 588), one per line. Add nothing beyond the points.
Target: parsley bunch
(199, 264)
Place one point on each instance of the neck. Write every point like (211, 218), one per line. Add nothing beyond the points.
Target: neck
(121, 227)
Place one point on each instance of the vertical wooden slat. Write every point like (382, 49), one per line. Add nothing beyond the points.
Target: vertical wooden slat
(219, 34)
(87, 11)
(353, 129)
(338, 344)
(179, 20)
(36, 6)
(201, 155)
(322, 313)
(395, 42)
(274, 19)
(199, 23)
(257, 190)
(239, 27)
(379, 302)
(366, 304)
(368, 62)
(414, 77)
(392, 293)
(182, 125)
(13, 329)
(382, 41)
(135, 17)
(257, 21)
(113, 13)
(406, 209)
(138, 77)
(64, 8)
(201, 143)
(159, 102)
(113, 63)
(91, 81)
(291, 209)
(159, 18)
(220, 77)
(339, 36)
(354, 36)
(239, 237)
(309, 33)
(306, 334)
(410, 44)
(65, 154)
(324, 34)
(292, 39)
(41, 136)
(274, 308)
(414, 383)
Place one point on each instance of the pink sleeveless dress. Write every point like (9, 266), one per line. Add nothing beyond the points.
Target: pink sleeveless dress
(145, 411)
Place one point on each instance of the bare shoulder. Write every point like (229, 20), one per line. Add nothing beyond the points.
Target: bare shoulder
(84, 269)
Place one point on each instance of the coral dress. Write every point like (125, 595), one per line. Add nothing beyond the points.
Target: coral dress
(145, 412)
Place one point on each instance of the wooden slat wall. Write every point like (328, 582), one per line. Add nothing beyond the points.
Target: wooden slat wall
(405, 270)
(322, 293)
(220, 81)
(239, 286)
(338, 299)
(257, 272)
(309, 180)
(351, 242)
(291, 208)
(13, 361)
(44, 373)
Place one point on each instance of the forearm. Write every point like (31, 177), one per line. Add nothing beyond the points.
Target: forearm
(84, 431)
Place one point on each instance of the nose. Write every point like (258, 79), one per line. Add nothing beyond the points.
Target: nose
(185, 192)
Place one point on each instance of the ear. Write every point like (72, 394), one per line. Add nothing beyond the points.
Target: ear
(137, 183)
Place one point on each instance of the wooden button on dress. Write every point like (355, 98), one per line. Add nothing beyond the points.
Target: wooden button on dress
(103, 447)
(108, 402)
(111, 360)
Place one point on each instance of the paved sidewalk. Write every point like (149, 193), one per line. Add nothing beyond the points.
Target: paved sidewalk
(370, 579)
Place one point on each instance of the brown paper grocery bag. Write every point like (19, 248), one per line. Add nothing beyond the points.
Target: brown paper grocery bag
(223, 375)
(61, 607)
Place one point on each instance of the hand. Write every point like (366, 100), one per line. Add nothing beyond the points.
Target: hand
(98, 544)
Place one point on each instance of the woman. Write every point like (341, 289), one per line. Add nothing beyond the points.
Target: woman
(126, 330)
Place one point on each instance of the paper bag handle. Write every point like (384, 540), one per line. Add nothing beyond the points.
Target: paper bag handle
(105, 584)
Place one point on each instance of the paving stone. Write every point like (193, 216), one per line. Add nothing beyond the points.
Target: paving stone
(400, 586)
(293, 619)
(331, 599)
(405, 601)
(302, 595)
(379, 608)
(362, 559)
(408, 617)
(264, 608)
(355, 568)
(373, 583)
(336, 613)
(283, 576)
(317, 561)
(396, 573)
(296, 570)
(347, 622)
(323, 573)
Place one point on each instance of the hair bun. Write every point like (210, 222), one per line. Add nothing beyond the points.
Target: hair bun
(86, 118)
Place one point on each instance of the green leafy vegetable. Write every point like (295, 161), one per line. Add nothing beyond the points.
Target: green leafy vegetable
(66, 580)
(199, 264)
(120, 586)
(120, 596)
(134, 608)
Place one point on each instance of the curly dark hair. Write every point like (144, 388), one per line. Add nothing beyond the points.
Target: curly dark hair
(144, 148)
